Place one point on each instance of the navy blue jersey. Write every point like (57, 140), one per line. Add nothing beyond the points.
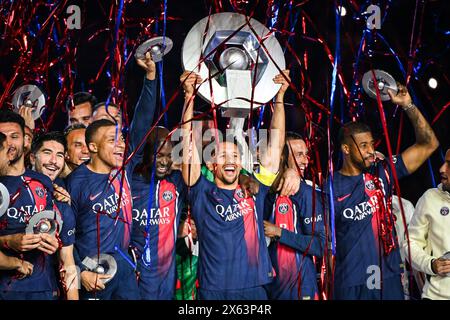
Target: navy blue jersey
(162, 211)
(300, 218)
(358, 246)
(102, 203)
(67, 234)
(103, 210)
(60, 182)
(232, 248)
(30, 193)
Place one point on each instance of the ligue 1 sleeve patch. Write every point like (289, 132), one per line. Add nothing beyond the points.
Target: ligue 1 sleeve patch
(444, 211)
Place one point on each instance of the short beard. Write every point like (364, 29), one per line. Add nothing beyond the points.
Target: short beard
(162, 176)
(369, 169)
(360, 164)
(16, 159)
(225, 181)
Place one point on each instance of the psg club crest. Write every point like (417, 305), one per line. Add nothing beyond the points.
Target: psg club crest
(370, 185)
(168, 195)
(283, 208)
(40, 192)
(444, 211)
(240, 194)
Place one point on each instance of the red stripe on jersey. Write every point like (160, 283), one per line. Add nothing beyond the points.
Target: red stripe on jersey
(374, 205)
(286, 256)
(382, 219)
(247, 209)
(167, 200)
(38, 191)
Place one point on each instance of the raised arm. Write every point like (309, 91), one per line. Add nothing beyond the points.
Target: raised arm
(191, 167)
(270, 158)
(426, 141)
(145, 107)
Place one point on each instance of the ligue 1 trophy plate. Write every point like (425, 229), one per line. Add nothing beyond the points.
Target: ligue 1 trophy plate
(384, 82)
(102, 264)
(158, 48)
(47, 221)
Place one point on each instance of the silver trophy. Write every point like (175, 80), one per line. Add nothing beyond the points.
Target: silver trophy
(47, 221)
(235, 63)
(4, 199)
(102, 264)
(384, 81)
(30, 96)
(158, 47)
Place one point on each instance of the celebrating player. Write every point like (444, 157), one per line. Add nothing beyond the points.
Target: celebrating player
(31, 193)
(233, 257)
(366, 245)
(297, 229)
(101, 197)
(47, 157)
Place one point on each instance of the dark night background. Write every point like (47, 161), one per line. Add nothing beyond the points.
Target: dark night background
(430, 57)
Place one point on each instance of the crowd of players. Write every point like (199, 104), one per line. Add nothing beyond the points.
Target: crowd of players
(208, 228)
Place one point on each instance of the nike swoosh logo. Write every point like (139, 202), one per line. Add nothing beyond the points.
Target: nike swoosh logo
(343, 197)
(92, 198)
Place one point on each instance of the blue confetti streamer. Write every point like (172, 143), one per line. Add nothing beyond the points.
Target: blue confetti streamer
(125, 256)
(146, 254)
(333, 91)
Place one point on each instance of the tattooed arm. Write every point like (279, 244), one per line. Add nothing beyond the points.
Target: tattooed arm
(426, 141)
